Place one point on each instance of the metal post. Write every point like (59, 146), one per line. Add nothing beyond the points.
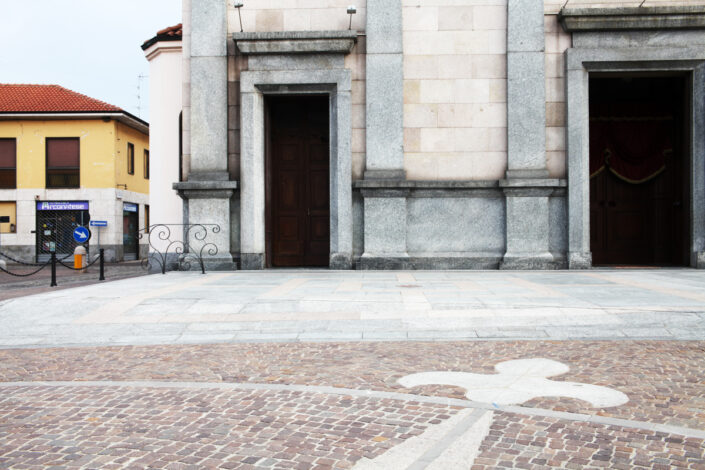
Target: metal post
(102, 265)
(53, 269)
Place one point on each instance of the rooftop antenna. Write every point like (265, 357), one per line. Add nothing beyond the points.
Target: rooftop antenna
(351, 11)
(239, 5)
(139, 94)
(564, 5)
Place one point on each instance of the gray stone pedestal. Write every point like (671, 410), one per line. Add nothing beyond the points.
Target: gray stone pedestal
(208, 202)
(528, 227)
(385, 229)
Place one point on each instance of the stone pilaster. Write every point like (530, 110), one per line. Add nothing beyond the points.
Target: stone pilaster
(384, 210)
(208, 189)
(385, 91)
(526, 187)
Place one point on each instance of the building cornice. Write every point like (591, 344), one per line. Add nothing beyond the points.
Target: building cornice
(633, 18)
(124, 118)
(162, 47)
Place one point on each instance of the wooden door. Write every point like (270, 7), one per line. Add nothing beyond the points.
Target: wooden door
(298, 232)
(641, 219)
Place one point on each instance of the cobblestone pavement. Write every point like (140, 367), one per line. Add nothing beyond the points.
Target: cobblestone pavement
(338, 405)
(301, 369)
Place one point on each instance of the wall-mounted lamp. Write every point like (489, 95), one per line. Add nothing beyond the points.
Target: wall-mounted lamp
(239, 5)
(351, 11)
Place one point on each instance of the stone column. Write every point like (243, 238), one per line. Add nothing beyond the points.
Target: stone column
(385, 211)
(526, 187)
(208, 189)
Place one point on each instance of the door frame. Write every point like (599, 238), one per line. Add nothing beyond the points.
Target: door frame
(580, 62)
(254, 85)
(269, 175)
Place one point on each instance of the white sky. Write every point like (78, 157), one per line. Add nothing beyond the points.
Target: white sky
(89, 46)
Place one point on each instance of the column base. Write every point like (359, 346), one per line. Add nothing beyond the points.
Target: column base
(211, 263)
(386, 261)
(529, 261)
(699, 260)
(341, 261)
(579, 260)
(252, 261)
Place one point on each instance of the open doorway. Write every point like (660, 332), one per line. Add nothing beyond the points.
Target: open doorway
(639, 166)
(297, 193)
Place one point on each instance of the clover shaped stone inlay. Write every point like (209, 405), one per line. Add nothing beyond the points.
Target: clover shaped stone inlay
(518, 381)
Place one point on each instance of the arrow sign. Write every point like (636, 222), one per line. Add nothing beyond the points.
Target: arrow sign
(98, 223)
(81, 234)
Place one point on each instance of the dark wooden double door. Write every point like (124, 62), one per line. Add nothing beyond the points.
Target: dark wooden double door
(297, 174)
(639, 210)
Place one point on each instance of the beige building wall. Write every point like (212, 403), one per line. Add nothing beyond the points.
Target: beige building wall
(299, 15)
(455, 91)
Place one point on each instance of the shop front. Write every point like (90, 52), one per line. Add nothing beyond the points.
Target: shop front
(130, 227)
(55, 223)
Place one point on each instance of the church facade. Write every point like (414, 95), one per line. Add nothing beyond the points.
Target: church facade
(445, 134)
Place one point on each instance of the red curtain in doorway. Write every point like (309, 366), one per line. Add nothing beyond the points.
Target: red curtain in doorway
(630, 143)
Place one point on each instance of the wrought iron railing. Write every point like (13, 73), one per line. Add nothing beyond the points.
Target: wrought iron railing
(188, 242)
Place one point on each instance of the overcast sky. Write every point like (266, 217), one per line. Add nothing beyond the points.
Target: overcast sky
(89, 46)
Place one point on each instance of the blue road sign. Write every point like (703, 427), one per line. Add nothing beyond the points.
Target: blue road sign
(99, 223)
(81, 234)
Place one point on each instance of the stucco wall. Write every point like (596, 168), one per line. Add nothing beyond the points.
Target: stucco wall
(124, 135)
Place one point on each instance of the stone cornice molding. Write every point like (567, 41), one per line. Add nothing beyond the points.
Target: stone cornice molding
(296, 42)
(632, 19)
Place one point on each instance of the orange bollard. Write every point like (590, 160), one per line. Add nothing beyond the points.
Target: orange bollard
(77, 261)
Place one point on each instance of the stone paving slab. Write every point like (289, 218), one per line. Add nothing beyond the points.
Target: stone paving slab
(353, 306)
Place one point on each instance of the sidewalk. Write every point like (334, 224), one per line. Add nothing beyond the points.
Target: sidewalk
(182, 308)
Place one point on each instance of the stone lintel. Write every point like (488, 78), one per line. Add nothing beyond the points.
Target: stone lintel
(634, 18)
(531, 183)
(296, 42)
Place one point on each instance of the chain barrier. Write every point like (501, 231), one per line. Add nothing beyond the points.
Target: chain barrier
(88, 265)
(21, 262)
(26, 274)
(53, 262)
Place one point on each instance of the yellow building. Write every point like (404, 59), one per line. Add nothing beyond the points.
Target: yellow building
(67, 160)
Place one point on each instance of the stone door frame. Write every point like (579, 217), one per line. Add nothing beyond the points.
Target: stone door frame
(254, 86)
(580, 62)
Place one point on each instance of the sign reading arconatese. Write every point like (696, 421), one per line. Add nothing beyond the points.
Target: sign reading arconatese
(62, 206)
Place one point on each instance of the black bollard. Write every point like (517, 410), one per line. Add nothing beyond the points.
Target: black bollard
(102, 265)
(53, 270)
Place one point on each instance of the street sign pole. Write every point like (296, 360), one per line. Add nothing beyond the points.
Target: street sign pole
(99, 224)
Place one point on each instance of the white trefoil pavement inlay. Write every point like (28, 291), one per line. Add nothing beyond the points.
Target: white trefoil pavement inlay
(518, 381)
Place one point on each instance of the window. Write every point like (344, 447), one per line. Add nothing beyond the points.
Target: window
(130, 159)
(8, 209)
(146, 218)
(8, 163)
(146, 164)
(63, 162)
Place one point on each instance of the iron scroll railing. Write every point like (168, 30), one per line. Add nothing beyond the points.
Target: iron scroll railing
(188, 242)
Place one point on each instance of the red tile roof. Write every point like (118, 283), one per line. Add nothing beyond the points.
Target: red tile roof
(48, 99)
(172, 33)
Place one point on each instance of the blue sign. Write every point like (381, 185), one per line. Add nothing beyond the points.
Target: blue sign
(129, 207)
(99, 223)
(62, 206)
(81, 234)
